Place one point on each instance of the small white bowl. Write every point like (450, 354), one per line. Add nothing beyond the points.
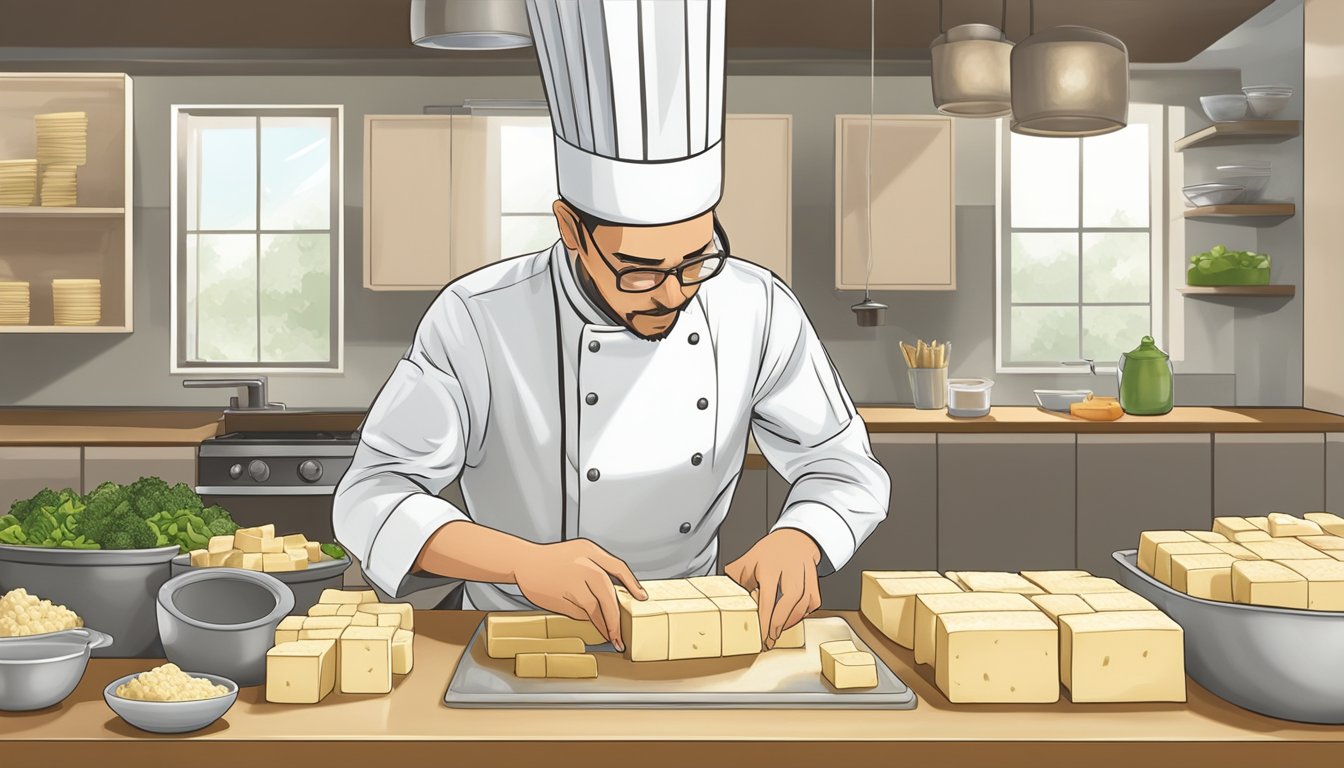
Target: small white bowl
(1264, 102)
(1253, 176)
(1060, 399)
(1225, 107)
(171, 716)
(1213, 193)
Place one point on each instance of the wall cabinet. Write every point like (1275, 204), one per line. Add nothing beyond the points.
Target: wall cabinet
(1255, 474)
(25, 470)
(1128, 484)
(756, 208)
(913, 203)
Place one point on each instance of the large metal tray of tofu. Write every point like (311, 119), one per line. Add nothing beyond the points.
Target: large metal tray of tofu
(1281, 662)
(781, 678)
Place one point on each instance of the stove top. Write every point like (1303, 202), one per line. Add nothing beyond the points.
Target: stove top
(288, 438)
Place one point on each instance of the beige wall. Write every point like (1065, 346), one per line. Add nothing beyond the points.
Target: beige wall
(1323, 207)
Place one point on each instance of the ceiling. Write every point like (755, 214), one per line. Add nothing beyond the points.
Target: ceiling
(1156, 31)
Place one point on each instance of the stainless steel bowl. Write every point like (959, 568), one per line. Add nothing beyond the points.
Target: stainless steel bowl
(222, 621)
(307, 585)
(171, 716)
(39, 671)
(1280, 662)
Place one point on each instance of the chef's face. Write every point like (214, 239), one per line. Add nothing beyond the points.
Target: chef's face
(612, 249)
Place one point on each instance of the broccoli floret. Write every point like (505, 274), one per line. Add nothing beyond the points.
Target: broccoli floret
(150, 496)
(13, 535)
(104, 499)
(40, 525)
(22, 508)
(222, 527)
(128, 531)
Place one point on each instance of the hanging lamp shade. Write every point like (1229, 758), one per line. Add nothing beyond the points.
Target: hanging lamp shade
(1070, 81)
(971, 71)
(470, 25)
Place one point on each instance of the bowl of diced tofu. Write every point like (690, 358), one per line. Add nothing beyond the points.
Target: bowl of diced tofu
(167, 700)
(306, 567)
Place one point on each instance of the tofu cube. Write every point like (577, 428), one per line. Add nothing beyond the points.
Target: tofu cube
(508, 647)
(890, 605)
(869, 579)
(846, 669)
(287, 631)
(323, 609)
(1255, 535)
(1055, 606)
(513, 625)
(273, 547)
(1325, 582)
(266, 531)
(1162, 559)
(1208, 537)
(1208, 577)
(929, 607)
(1325, 543)
(832, 649)
(670, 589)
(644, 628)
(693, 629)
(1148, 541)
(219, 544)
(342, 597)
(252, 561)
(366, 660)
(1115, 656)
(793, 637)
(403, 652)
(276, 562)
(739, 625)
(233, 559)
(1282, 525)
(294, 540)
(1236, 550)
(1116, 601)
(571, 666)
(998, 657)
(1284, 549)
(1331, 524)
(563, 626)
(998, 581)
(200, 558)
(314, 551)
(1229, 527)
(247, 540)
(217, 559)
(300, 672)
(717, 586)
(1043, 579)
(529, 665)
(403, 613)
(1263, 582)
(299, 556)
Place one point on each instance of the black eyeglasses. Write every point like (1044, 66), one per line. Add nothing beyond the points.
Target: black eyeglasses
(690, 272)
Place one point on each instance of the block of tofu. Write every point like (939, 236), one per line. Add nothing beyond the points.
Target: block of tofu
(1255, 535)
(301, 671)
(1055, 606)
(1324, 543)
(717, 586)
(739, 625)
(292, 540)
(247, 539)
(1229, 527)
(218, 544)
(1260, 522)
(361, 619)
(1115, 656)
(571, 666)
(929, 607)
(869, 578)
(1236, 550)
(793, 637)
(500, 647)
(1148, 541)
(300, 557)
(955, 578)
(1284, 549)
(1325, 582)
(323, 609)
(1204, 576)
(273, 546)
(287, 631)
(1331, 524)
(670, 589)
(366, 660)
(267, 531)
(326, 622)
(321, 634)
(252, 561)
(277, 562)
(563, 626)
(998, 657)
(515, 625)
(1209, 537)
(644, 628)
(832, 649)
(1043, 578)
(404, 612)
(1116, 601)
(200, 558)
(314, 551)
(856, 669)
(998, 581)
(1162, 559)
(1262, 582)
(233, 559)
(890, 605)
(529, 665)
(1084, 585)
(341, 596)
(694, 630)
(1281, 525)
(217, 559)
(403, 652)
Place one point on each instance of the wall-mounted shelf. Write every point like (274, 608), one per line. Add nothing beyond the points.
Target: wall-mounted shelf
(65, 329)
(68, 212)
(1238, 290)
(1240, 132)
(1277, 210)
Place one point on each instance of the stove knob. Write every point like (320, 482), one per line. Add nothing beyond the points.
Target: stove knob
(310, 471)
(259, 470)
(236, 471)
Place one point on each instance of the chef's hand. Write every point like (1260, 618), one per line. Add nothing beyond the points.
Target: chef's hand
(783, 566)
(574, 578)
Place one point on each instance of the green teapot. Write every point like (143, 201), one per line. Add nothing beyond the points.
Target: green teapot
(1145, 376)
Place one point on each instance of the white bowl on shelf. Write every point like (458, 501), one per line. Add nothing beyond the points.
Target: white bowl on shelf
(1265, 101)
(1253, 176)
(1225, 107)
(1212, 193)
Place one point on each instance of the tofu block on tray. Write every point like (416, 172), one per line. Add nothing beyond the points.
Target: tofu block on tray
(1264, 582)
(568, 666)
(929, 607)
(644, 627)
(998, 657)
(846, 667)
(1148, 541)
(1282, 525)
(890, 605)
(300, 672)
(508, 647)
(1208, 577)
(1162, 559)
(1122, 656)
(366, 659)
(739, 625)
(694, 630)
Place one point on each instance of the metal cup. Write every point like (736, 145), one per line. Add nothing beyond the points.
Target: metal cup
(929, 386)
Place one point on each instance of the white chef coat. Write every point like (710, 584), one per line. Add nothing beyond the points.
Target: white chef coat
(562, 424)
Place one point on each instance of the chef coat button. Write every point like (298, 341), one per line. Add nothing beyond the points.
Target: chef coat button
(593, 474)
(702, 403)
(696, 459)
(685, 528)
(694, 338)
(593, 346)
(591, 399)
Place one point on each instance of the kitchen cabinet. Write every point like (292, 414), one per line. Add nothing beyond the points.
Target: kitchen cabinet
(408, 200)
(1128, 484)
(25, 470)
(757, 204)
(913, 203)
(746, 522)
(1334, 472)
(1255, 474)
(1006, 502)
(126, 464)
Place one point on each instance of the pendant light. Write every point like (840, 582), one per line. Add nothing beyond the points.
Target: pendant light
(470, 25)
(869, 312)
(971, 68)
(1069, 81)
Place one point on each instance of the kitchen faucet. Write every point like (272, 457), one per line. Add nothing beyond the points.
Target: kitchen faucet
(256, 392)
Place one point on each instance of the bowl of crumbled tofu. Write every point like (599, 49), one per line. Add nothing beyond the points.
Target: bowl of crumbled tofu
(167, 700)
(44, 649)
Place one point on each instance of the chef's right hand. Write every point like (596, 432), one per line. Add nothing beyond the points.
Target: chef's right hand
(575, 578)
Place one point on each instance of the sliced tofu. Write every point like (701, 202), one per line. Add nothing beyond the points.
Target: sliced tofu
(1148, 541)
(793, 637)
(529, 665)
(321, 634)
(717, 586)
(366, 660)
(1055, 606)
(1263, 582)
(739, 625)
(1325, 582)
(314, 551)
(644, 628)
(200, 558)
(670, 589)
(1325, 543)
(694, 630)
(323, 609)
(1255, 535)
(247, 540)
(998, 581)
(515, 625)
(1208, 577)
(1281, 525)
(359, 619)
(341, 596)
(1208, 537)
(1284, 549)
(287, 631)
(869, 578)
(301, 671)
(508, 647)
(1162, 559)
(277, 562)
(563, 626)
(218, 544)
(998, 657)
(217, 559)
(569, 666)
(403, 652)
(955, 578)
(832, 649)
(1260, 522)
(293, 541)
(857, 669)
(1116, 601)
(890, 605)
(299, 556)
(349, 609)
(929, 607)
(1331, 524)
(1122, 656)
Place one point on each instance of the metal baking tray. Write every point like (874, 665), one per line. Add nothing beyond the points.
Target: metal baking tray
(782, 678)
(1281, 662)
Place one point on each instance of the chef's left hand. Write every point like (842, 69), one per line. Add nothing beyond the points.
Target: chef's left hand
(783, 566)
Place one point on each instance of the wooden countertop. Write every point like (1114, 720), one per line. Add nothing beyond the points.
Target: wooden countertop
(1012, 419)
(412, 726)
(107, 426)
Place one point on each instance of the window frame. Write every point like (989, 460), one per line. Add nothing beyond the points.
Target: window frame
(179, 363)
(1152, 115)
(496, 123)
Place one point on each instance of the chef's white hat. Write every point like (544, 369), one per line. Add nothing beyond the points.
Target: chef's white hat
(635, 89)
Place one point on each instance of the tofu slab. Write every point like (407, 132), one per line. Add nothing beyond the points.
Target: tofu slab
(1122, 656)
(929, 607)
(890, 605)
(998, 657)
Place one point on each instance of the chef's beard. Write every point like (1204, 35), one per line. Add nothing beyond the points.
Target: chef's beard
(627, 321)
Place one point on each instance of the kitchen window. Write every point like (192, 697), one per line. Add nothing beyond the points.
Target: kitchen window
(257, 220)
(527, 185)
(1081, 249)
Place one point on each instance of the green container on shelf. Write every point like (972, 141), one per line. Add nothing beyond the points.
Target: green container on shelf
(1220, 266)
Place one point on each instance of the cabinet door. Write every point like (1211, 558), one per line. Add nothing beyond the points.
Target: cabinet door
(913, 203)
(746, 523)
(757, 190)
(126, 464)
(1258, 474)
(1128, 484)
(408, 171)
(1006, 502)
(25, 470)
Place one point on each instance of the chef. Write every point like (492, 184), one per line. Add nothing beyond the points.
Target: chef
(595, 399)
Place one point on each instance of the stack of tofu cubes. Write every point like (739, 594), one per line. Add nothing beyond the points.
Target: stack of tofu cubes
(348, 641)
(1278, 560)
(998, 637)
(258, 549)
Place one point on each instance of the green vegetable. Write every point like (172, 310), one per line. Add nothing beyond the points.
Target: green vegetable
(333, 551)
(22, 508)
(12, 535)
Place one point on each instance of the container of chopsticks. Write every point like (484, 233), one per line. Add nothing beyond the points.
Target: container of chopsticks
(928, 373)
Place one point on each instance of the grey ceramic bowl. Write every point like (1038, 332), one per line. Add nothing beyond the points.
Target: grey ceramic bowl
(39, 671)
(171, 716)
(307, 585)
(221, 621)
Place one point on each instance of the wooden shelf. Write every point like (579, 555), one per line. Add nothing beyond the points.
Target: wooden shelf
(64, 329)
(1278, 210)
(70, 212)
(1239, 290)
(1240, 132)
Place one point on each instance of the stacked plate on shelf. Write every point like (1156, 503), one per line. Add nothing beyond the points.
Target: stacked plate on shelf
(59, 186)
(62, 138)
(77, 301)
(13, 302)
(18, 182)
